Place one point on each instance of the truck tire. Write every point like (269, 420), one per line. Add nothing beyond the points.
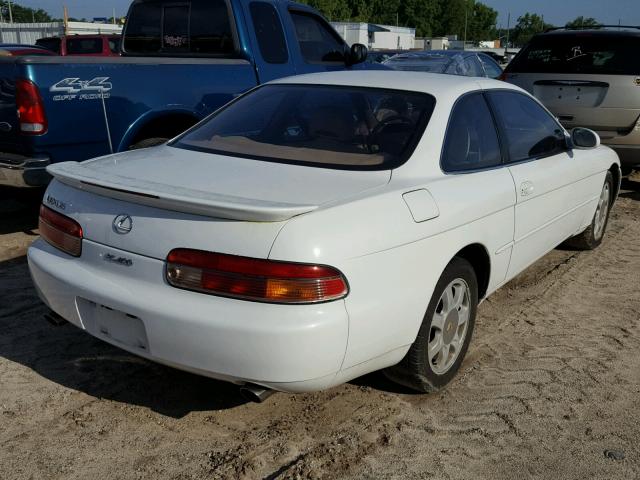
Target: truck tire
(444, 336)
(593, 235)
(148, 142)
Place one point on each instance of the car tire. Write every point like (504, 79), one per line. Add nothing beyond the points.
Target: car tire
(148, 142)
(593, 235)
(426, 368)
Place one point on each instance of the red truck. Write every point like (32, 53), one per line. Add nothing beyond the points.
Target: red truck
(84, 45)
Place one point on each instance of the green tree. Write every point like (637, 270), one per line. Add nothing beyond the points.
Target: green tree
(581, 22)
(528, 25)
(23, 14)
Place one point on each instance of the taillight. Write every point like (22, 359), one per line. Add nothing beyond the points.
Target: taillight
(31, 116)
(502, 76)
(254, 279)
(60, 231)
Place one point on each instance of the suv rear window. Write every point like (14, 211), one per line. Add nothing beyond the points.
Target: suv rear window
(317, 125)
(182, 27)
(580, 53)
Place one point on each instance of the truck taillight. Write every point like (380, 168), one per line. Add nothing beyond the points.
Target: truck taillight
(254, 279)
(31, 116)
(60, 231)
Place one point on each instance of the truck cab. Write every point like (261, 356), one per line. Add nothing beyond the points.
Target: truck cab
(180, 62)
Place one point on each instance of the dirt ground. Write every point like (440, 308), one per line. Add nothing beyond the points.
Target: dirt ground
(551, 383)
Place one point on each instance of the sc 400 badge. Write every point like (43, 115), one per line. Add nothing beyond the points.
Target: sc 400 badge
(73, 88)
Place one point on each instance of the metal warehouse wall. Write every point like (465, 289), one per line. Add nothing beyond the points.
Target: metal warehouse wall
(28, 33)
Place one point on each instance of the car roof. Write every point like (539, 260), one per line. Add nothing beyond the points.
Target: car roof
(426, 54)
(435, 84)
(589, 32)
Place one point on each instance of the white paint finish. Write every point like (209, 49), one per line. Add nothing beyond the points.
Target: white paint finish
(225, 337)
(421, 205)
(221, 186)
(360, 223)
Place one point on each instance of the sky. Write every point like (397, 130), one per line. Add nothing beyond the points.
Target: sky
(554, 11)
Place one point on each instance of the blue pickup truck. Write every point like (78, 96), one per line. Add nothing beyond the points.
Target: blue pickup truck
(180, 61)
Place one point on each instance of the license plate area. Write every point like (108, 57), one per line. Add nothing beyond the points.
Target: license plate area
(570, 95)
(113, 326)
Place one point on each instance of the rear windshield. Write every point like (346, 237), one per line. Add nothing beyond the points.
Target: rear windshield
(317, 125)
(52, 44)
(426, 64)
(580, 53)
(79, 46)
(179, 27)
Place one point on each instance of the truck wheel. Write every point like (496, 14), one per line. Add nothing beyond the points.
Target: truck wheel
(148, 142)
(445, 333)
(593, 235)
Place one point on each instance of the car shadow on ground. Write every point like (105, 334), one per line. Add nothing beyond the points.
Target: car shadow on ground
(19, 210)
(72, 358)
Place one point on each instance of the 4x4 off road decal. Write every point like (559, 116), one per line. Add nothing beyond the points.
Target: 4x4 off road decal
(74, 88)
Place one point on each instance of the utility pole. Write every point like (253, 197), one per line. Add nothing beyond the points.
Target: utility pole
(464, 43)
(506, 46)
(114, 15)
(10, 12)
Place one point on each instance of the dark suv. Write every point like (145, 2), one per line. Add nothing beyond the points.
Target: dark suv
(587, 78)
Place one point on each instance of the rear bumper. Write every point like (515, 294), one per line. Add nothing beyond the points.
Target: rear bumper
(292, 348)
(22, 171)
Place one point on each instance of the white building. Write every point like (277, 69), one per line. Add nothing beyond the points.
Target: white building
(28, 33)
(378, 37)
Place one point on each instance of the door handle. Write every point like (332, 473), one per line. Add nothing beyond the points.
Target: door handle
(526, 188)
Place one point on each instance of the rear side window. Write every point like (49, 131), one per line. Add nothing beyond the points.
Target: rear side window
(269, 32)
(79, 46)
(52, 44)
(114, 44)
(465, 66)
(318, 41)
(530, 131)
(175, 28)
(491, 68)
(580, 53)
(471, 141)
(316, 125)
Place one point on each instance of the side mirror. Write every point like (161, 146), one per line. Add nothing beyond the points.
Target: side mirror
(583, 138)
(357, 54)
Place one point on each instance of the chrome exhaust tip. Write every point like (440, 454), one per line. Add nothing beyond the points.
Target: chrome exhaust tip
(255, 393)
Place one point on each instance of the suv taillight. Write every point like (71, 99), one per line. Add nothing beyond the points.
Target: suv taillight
(254, 279)
(31, 116)
(60, 231)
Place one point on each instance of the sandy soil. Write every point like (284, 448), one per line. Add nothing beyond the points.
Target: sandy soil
(551, 382)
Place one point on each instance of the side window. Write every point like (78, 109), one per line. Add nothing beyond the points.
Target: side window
(269, 32)
(529, 129)
(79, 46)
(474, 68)
(318, 42)
(471, 141)
(491, 68)
(114, 44)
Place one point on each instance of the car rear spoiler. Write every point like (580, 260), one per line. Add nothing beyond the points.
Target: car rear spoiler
(170, 197)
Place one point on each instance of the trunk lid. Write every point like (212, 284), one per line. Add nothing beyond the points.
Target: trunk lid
(180, 198)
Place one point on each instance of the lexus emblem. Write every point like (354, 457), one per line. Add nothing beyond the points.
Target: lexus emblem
(122, 224)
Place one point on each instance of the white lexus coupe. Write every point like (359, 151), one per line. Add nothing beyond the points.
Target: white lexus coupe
(321, 227)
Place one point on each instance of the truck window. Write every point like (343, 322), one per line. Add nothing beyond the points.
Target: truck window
(52, 44)
(318, 41)
(114, 44)
(80, 46)
(269, 32)
(168, 27)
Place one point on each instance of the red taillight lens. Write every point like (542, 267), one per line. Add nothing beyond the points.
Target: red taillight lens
(60, 231)
(254, 279)
(502, 76)
(31, 116)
